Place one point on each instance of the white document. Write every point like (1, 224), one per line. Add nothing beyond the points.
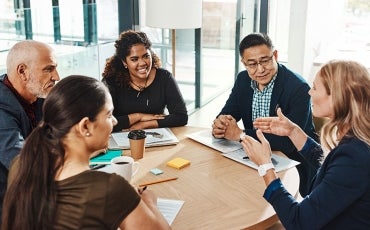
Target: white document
(280, 163)
(235, 151)
(154, 137)
(169, 208)
(205, 137)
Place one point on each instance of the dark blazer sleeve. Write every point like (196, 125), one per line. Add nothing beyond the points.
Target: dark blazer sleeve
(340, 197)
(239, 103)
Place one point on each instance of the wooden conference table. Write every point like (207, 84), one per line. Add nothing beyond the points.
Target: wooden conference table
(219, 193)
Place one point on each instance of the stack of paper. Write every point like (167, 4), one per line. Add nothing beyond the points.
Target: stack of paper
(234, 151)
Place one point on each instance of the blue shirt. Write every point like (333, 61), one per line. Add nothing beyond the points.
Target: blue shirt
(261, 99)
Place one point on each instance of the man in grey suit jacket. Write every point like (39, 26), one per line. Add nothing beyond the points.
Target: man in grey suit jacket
(31, 74)
(258, 91)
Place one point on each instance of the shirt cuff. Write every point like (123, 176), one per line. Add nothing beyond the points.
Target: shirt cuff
(272, 187)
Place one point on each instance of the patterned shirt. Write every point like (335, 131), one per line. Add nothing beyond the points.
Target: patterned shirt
(261, 99)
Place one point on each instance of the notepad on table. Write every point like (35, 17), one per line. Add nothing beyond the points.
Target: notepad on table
(178, 163)
(105, 158)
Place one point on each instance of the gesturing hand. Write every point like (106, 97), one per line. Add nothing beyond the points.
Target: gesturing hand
(279, 125)
(258, 152)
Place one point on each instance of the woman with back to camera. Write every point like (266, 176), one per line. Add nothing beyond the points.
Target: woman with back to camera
(340, 193)
(140, 89)
(51, 185)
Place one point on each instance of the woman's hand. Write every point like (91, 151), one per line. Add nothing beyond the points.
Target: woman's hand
(150, 117)
(148, 196)
(282, 126)
(144, 120)
(279, 125)
(258, 152)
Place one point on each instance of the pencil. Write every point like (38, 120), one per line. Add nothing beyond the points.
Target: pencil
(157, 181)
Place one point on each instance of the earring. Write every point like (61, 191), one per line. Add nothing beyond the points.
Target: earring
(125, 66)
(88, 134)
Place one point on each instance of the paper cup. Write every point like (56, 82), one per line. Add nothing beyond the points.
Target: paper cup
(137, 143)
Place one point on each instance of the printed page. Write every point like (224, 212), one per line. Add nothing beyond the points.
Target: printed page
(169, 208)
(280, 163)
(220, 144)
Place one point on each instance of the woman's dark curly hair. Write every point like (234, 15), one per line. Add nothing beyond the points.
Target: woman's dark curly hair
(114, 69)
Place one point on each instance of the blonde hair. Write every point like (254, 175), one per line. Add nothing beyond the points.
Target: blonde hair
(348, 83)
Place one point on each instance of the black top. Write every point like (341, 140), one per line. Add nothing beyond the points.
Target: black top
(161, 94)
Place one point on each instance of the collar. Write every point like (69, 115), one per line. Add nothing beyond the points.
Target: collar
(254, 84)
(29, 108)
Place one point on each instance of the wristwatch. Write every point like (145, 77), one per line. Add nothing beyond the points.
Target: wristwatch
(241, 136)
(262, 169)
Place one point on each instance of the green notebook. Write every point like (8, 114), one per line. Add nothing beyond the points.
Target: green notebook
(105, 158)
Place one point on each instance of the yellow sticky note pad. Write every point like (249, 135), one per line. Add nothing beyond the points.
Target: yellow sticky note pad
(178, 163)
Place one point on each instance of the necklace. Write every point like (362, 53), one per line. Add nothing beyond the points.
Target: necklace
(141, 88)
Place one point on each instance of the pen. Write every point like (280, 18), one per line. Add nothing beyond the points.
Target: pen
(245, 158)
(97, 166)
(158, 181)
(142, 190)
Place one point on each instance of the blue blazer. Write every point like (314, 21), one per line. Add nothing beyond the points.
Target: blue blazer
(340, 195)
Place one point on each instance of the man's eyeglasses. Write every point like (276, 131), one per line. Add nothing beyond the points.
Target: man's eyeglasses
(252, 66)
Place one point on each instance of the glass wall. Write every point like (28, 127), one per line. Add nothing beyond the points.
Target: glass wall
(217, 52)
(69, 26)
(307, 33)
(82, 34)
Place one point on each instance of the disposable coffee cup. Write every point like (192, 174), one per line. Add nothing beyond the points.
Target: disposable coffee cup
(137, 143)
(125, 166)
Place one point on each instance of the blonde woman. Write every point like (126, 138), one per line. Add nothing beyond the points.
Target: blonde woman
(340, 194)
